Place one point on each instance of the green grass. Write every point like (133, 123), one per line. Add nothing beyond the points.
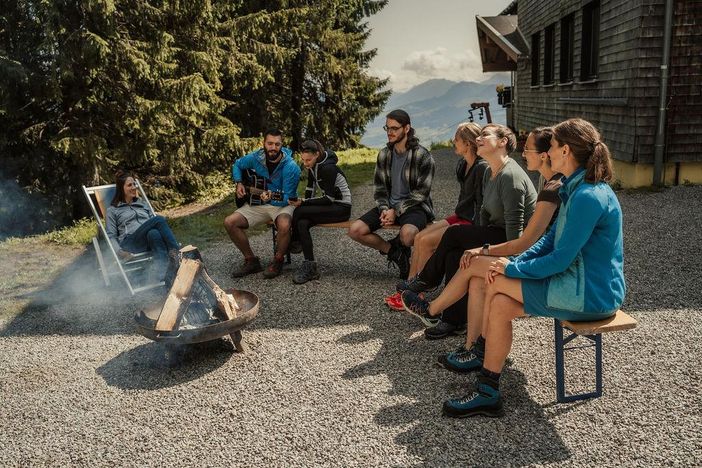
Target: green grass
(437, 145)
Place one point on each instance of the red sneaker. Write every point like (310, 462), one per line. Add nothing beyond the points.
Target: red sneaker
(394, 301)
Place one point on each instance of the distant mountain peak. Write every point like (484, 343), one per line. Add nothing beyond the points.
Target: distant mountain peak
(436, 106)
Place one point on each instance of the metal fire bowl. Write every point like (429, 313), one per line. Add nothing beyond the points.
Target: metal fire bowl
(248, 302)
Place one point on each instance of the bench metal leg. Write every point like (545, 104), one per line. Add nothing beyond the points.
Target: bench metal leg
(274, 232)
(561, 342)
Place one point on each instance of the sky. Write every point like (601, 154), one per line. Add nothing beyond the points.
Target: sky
(418, 40)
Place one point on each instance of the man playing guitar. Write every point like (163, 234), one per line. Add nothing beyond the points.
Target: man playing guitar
(274, 164)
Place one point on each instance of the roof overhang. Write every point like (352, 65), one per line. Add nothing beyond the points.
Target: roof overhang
(501, 42)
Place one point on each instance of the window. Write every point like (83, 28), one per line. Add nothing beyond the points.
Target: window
(549, 53)
(535, 58)
(567, 29)
(590, 41)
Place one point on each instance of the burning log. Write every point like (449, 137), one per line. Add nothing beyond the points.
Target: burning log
(179, 296)
(195, 300)
(196, 308)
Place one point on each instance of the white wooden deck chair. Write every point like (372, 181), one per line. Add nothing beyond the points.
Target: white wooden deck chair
(109, 263)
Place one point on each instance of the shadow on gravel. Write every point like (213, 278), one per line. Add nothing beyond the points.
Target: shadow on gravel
(524, 436)
(77, 302)
(152, 366)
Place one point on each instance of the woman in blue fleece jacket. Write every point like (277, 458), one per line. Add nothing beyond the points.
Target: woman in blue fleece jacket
(575, 272)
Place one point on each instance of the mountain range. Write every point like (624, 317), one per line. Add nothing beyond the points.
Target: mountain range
(436, 107)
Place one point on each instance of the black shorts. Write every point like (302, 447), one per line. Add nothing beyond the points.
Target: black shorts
(415, 216)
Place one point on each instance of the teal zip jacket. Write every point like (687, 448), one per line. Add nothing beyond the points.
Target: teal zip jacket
(284, 179)
(582, 255)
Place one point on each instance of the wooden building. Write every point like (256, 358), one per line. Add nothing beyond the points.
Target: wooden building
(602, 60)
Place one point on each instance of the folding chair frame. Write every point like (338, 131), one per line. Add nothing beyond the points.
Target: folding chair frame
(136, 262)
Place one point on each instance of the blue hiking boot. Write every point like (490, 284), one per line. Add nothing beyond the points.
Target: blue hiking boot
(462, 360)
(419, 307)
(485, 400)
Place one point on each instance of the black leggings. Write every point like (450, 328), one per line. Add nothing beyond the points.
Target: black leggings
(446, 261)
(304, 217)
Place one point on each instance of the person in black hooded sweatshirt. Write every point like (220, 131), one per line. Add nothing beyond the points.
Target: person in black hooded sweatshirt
(332, 203)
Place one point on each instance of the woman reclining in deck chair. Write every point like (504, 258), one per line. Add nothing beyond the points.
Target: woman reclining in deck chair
(133, 228)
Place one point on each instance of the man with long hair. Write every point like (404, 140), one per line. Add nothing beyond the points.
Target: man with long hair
(402, 184)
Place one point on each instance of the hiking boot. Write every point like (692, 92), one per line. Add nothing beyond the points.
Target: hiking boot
(415, 284)
(462, 360)
(250, 265)
(419, 307)
(485, 400)
(274, 268)
(295, 247)
(444, 329)
(394, 301)
(308, 271)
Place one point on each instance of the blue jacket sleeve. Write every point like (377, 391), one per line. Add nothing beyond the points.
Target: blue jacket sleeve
(292, 178)
(244, 162)
(541, 247)
(583, 214)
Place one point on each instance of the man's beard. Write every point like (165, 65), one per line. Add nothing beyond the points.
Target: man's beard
(398, 138)
(272, 155)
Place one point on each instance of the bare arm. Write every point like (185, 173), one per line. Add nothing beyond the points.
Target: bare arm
(535, 229)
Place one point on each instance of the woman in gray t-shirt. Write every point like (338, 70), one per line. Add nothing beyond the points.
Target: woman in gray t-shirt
(509, 199)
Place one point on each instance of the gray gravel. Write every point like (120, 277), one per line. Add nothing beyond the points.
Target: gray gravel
(334, 378)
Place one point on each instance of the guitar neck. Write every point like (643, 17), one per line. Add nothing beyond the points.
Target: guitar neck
(275, 195)
(255, 190)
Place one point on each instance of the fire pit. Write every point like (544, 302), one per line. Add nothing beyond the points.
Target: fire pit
(198, 327)
(197, 310)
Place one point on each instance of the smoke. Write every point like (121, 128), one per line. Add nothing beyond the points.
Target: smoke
(23, 213)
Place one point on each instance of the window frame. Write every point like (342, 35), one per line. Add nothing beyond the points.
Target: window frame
(567, 48)
(535, 57)
(590, 41)
(550, 54)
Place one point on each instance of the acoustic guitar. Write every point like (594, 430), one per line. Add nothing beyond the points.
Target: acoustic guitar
(255, 186)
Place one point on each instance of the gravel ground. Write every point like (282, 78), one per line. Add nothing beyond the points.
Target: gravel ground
(334, 378)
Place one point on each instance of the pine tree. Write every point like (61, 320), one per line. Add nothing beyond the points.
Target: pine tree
(166, 88)
(322, 89)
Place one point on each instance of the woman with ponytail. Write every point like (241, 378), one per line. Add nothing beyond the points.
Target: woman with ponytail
(575, 272)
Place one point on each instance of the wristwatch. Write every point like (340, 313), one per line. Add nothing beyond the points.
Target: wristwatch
(486, 249)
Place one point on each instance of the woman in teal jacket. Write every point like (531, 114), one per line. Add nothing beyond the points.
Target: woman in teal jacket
(575, 272)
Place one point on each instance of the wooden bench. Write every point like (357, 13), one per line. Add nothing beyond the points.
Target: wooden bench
(340, 225)
(593, 332)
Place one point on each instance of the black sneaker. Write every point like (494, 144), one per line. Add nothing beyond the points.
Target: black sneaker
(308, 271)
(418, 307)
(415, 284)
(250, 265)
(444, 329)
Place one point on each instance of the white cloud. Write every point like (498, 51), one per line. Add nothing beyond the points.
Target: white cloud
(423, 65)
(400, 82)
(439, 63)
